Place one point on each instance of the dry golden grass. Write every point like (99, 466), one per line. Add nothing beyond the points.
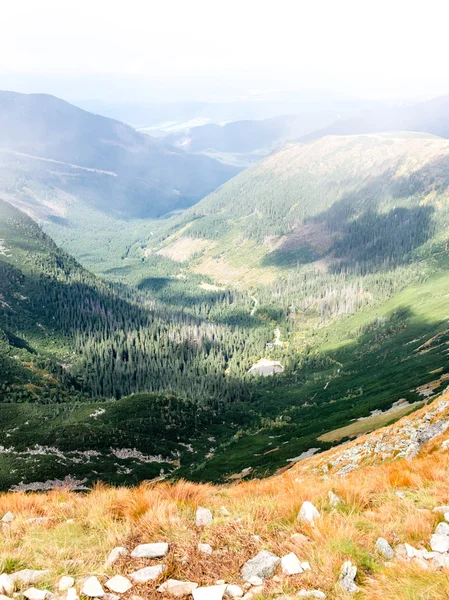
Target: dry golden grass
(85, 527)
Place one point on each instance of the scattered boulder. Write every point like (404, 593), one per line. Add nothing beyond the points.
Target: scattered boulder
(347, 577)
(291, 564)
(147, 573)
(177, 589)
(28, 576)
(119, 584)
(203, 517)
(255, 581)
(150, 550)
(35, 594)
(311, 594)
(305, 566)
(442, 528)
(8, 517)
(262, 565)
(441, 509)
(72, 594)
(384, 548)
(439, 542)
(233, 591)
(115, 554)
(65, 583)
(6, 584)
(334, 500)
(211, 592)
(92, 588)
(411, 552)
(308, 513)
(205, 548)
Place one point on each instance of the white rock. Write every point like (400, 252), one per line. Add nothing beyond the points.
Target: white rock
(255, 591)
(233, 591)
(35, 594)
(384, 548)
(65, 583)
(119, 584)
(6, 584)
(306, 566)
(177, 589)
(212, 592)
(150, 550)
(147, 573)
(308, 513)
(255, 581)
(28, 576)
(203, 517)
(446, 516)
(92, 588)
(72, 594)
(441, 509)
(109, 596)
(115, 554)
(311, 594)
(291, 565)
(411, 552)
(263, 565)
(334, 500)
(442, 529)
(439, 543)
(8, 517)
(205, 548)
(347, 577)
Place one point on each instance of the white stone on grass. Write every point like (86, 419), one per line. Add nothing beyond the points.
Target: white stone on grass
(205, 548)
(384, 548)
(311, 594)
(305, 565)
(115, 554)
(147, 573)
(177, 589)
(35, 594)
(442, 529)
(8, 517)
(6, 584)
(334, 500)
(92, 588)
(233, 591)
(291, 565)
(203, 517)
(211, 592)
(439, 542)
(262, 565)
(347, 577)
(157, 550)
(72, 594)
(308, 513)
(119, 584)
(65, 583)
(28, 576)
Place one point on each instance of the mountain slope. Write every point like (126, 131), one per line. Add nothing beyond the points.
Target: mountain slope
(430, 116)
(400, 500)
(55, 155)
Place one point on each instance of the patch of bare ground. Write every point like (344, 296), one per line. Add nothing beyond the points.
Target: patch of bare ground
(185, 248)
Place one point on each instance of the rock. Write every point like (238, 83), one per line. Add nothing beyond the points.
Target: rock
(305, 566)
(441, 561)
(424, 434)
(446, 516)
(255, 581)
(203, 517)
(205, 548)
(441, 509)
(442, 529)
(28, 576)
(347, 577)
(177, 589)
(39, 520)
(2, 597)
(8, 517)
(308, 513)
(411, 552)
(35, 594)
(263, 565)
(65, 583)
(115, 554)
(150, 550)
(439, 543)
(92, 588)
(334, 500)
(71, 594)
(147, 573)
(119, 584)
(211, 592)
(233, 591)
(299, 538)
(311, 594)
(255, 591)
(291, 564)
(6, 584)
(109, 596)
(400, 495)
(384, 548)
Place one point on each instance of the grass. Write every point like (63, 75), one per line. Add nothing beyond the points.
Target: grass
(84, 528)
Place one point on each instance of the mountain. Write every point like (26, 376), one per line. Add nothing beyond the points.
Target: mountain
(247, 140)
(362, 516)
(431, 116)
(55, 155)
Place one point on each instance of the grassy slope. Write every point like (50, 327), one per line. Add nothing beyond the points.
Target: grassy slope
(83, 528)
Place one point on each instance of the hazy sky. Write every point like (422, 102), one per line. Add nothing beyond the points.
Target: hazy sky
(199, 48)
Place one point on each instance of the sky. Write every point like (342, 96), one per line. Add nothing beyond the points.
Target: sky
(169, 50)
